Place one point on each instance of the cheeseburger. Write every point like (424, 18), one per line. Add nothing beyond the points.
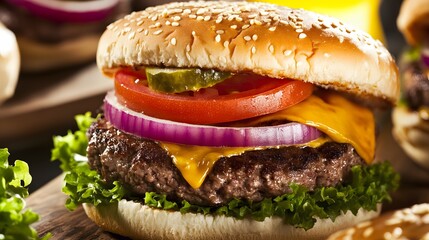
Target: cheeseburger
(411, 118)
(63, 33)
(232, 120)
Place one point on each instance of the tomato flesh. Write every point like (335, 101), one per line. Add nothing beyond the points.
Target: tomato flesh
(240, 97)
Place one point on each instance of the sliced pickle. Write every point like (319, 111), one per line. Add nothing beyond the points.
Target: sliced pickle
(176, 80)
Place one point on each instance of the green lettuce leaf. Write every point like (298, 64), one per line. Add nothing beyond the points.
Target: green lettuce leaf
(82, 184)
(366, 187)
(15, 221)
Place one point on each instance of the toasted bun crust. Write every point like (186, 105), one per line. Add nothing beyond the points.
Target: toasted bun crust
(257, 37)
(408, 223)
(138, 221)
(412, 134)
(413, 21)
(9, 63)
(37, 56)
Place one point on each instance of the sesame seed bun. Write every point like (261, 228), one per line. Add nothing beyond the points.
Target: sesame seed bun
(262, 38)
(408, 223)
(9, 63)
(413, 21)
(138, 221)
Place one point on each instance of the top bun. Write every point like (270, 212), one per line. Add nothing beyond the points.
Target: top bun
(9, 63)
(413, 21)
(261, 38)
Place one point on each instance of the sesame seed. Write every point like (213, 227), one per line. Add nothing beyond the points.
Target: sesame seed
(158, 24)
(397, 232)
(110, 26)
(201, 11)
(368, 232)
(207, 18)
(126, 24)
(253, 50)
(220, 31)
(364, 224)
(217, 38)
(193, 33)
(177, 18)
(245, 26)
(272, 29)
(188, 48)
(173, 41)
(187, 11)
(168, 23)
(239, 19)
(174, 24)
(287, 52)
(200, 18)
(146, 32)
(271, 48)
(252, 15)
(233, 26)
(226, 43)
(327, 55)
(247, 38)
(132, 35)
(302, 36)
(299, 30)
(157, 32)
(140, 30)
(284, 22)
(192, 16)
(154, 18)
(255, 37)
(219, 20)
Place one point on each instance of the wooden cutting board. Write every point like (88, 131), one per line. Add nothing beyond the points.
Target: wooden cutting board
(48, 202)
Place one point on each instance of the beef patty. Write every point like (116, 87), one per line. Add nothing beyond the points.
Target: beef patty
(141, 165)
(416, 85)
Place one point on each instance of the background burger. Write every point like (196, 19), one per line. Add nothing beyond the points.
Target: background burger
(62, 33)
(411, 117)
(9, 63)
(407, 223)
(232, 121)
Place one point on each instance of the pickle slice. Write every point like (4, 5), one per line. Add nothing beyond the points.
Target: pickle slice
(176, 80)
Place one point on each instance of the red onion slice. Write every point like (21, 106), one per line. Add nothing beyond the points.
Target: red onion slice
(425, 55)
(202, 135)
(68, 11)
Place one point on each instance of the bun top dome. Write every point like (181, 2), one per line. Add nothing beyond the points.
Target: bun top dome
(262, 38)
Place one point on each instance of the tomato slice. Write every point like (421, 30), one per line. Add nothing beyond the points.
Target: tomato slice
(240, 97)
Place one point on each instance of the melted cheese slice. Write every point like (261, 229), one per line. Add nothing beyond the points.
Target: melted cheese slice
(340, 119)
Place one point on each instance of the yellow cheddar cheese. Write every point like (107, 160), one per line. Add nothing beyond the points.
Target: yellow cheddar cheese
(341, 120)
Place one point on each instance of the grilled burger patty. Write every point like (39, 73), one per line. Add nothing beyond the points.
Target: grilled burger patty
(142, 166)
(416, 85)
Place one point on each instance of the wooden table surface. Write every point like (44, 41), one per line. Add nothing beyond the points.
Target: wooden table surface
(49, 201)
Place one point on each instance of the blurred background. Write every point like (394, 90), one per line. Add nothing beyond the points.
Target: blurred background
(58, 77)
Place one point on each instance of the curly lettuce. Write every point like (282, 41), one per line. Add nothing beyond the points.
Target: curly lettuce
(15, 220)
(367, 187)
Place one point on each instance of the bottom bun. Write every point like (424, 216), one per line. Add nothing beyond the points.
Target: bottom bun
(138, 221)
(38, 56)
(412, 133)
